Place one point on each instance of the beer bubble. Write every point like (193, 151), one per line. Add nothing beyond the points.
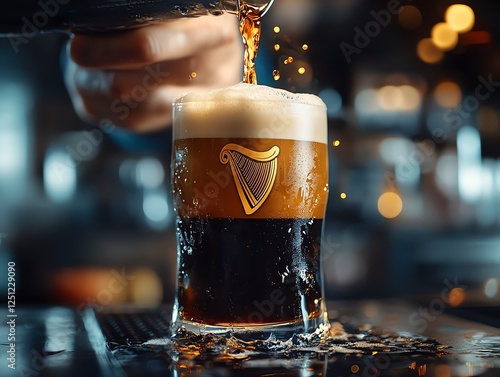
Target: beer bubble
(343, 195)
(185, 281)
(277, 29)
(276, 75)
(305, 47)
(336, 143)
(277, 47)
(301, 70)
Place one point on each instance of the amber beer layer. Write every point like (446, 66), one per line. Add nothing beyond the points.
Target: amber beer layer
(250, 184)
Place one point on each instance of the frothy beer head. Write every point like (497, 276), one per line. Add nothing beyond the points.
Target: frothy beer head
(251, 111)
(250, 151)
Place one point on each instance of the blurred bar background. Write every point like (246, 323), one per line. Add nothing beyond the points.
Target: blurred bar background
(412, 90)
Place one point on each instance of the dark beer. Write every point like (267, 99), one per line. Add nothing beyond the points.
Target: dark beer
(243, 272)
(250, 181)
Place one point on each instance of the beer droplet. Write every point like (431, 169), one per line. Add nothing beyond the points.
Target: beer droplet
(288, 60)
(343, 195)
(277, 29)
(276, 75)
(336, 143)
(305, 47)
(277, 47)
(192, 75)
(301, 70)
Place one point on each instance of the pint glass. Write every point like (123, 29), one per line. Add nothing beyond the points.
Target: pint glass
(250, 184)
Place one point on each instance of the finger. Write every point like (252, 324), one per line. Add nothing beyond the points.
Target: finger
(219, 68)
(166, 41)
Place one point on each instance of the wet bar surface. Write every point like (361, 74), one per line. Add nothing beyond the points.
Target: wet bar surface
(59, 342)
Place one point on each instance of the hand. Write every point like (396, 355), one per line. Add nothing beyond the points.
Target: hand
(131, 78)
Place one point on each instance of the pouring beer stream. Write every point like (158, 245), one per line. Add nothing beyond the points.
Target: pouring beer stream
(249, 16)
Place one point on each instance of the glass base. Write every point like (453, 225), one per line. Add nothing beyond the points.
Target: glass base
(281, 331)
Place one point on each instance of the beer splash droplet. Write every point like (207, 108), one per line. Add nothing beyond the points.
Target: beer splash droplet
(277, 47)
(305, 47)
(301, 70)
(277, 29)
(192, 75)
(336, 143)
(343, 195)
(288, 60)
(276, 75)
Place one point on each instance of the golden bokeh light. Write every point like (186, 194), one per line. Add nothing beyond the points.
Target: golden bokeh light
(354, 369)
(448, 94)
(457, 296)
(390, 205)
(444, 37)
(390, 97)
(460, 18)
(410, 17)
(428, 52)
(411, 98)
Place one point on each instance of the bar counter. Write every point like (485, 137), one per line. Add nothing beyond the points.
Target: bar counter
(58, 341)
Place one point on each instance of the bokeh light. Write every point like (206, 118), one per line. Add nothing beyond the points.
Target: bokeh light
(457, 296)
(390, 97)
(444, 37)
(491, 287)
(411, 98)
(390, 205)
(448, 94)
(460, 18)
(332, 100)
(428, 52)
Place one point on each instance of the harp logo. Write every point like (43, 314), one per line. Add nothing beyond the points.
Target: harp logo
(254, 173)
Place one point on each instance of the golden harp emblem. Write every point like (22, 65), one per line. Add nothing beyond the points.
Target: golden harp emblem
(254, 173)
